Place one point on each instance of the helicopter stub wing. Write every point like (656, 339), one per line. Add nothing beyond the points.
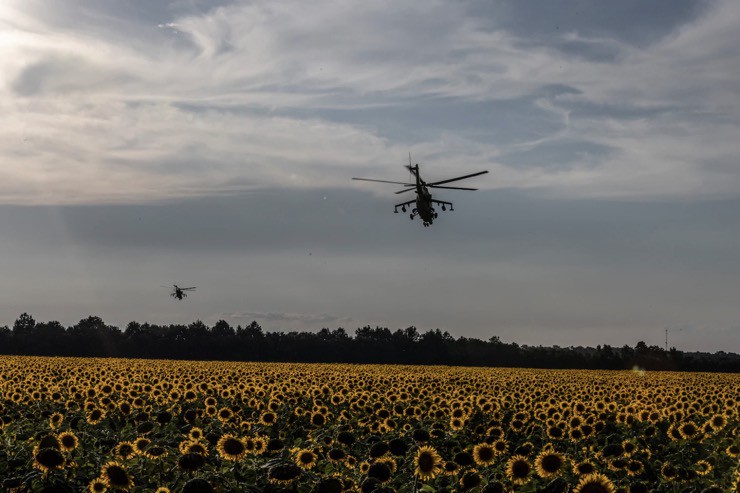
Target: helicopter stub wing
(404, 204)
(442, 202)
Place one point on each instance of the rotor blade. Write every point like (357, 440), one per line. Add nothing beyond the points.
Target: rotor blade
(386, 181)
(187, 289)
(458, 178)
(452, 188)
(407, 190)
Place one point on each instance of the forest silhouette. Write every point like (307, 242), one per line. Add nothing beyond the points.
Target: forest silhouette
(92, 337)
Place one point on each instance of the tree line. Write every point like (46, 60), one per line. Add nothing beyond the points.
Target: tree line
(197, 341)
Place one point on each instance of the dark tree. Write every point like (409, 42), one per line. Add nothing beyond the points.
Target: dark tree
(91, 336)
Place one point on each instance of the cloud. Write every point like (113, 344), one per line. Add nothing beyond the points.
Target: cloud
(112, 104)
(299, 319)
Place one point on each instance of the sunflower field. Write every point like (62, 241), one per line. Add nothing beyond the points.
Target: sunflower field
(96, 425)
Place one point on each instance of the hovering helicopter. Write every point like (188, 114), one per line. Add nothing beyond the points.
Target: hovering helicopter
(424, 201)
(179, 292)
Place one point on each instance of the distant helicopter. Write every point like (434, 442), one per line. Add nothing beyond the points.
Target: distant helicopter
(424, 201)
(179, 292)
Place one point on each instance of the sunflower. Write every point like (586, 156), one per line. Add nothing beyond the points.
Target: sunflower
(195, 433)
(470, 480)
(260, 445)
(194, 448)
(427, 463)
(305, 458)
(595, 483)
(97, 486)
(635, 468)
(518, 469)
(191, 462)
(669, 471)
(381, 471)
(555, 432)
(198, 485)
(688, 430)
(225, 414)
(156, 452)
(450, 468)
(68, 441)
(336, 455)
(95, 416)
(162, 489)
(703, 468)
(140, 444)
(46, 459)
(733, 450)
(49, 441)
(114, 475)
(484, 454)
(268, 419)
(125, 450)
(55, 420)
(283, 474)
(231, 448)
(549, 464)
(718, 421)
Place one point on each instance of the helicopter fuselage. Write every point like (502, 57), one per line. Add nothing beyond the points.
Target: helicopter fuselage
(424, 205)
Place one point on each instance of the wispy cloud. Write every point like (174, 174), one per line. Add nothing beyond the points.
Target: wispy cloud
(177, 101)
(292, 319)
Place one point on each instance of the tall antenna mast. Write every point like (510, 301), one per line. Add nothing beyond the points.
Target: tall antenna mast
(666, 338)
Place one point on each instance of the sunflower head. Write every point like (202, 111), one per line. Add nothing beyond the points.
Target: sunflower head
(549, 464)
(97, 485)
(198, 485)
(46, 459)
(427, 462)
(484, 454)
(471, 479)
(191, 462)
(68, 441)
(114, 475)
(518, 469)
(283, 474)
(231, 448)
(305, 458)
(381, 471)
(125, 450)
(595, 483)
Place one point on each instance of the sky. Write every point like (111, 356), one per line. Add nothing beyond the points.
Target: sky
(212, 144)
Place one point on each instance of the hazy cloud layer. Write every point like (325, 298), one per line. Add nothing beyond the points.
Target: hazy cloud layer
(124, 103)
(531, 270)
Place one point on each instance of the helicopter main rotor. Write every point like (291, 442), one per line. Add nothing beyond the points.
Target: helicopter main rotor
(424, 201)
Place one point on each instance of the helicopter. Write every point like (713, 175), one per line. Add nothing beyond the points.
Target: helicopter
(179, 292)
(424, 201)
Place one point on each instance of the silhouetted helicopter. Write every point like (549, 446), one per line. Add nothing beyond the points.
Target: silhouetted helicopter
(424, 201)
(179, 292)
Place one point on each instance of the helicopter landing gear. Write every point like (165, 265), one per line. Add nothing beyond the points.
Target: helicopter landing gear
(444, 208)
